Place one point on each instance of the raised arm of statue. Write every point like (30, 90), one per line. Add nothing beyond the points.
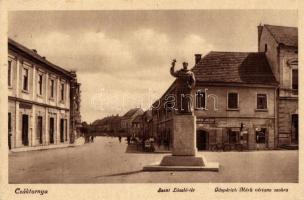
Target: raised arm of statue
(193, 80)
(172, 72)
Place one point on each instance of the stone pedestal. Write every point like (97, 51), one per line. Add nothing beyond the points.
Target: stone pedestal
(184, 151)
(184, 135)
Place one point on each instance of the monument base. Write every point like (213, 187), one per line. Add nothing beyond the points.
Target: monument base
(183, 163)
(184, 153)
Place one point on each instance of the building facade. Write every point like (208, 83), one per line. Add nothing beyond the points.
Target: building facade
(233, 101)
(137, 127)
(247, 99)
(127, 118)
(110, 125)
(280, 45)
(41, 100)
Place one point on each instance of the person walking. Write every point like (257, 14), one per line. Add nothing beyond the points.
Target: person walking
(119, 138)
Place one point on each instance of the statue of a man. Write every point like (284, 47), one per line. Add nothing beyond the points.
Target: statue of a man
(185, 82)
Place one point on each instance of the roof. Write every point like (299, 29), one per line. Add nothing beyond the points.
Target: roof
(131, 112)
(147, 116)
(234, 67)
(36, 56)
(284, 35)
(137, 119)
(105, 120)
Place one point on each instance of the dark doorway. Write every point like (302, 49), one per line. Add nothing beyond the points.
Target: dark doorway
(202, 140)
(66, 130)
(25, 129)
(9, 130)
(39, 129)
(294, 129)
(61, 130)
(52, 130)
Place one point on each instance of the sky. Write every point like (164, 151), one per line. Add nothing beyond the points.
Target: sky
(122, 58)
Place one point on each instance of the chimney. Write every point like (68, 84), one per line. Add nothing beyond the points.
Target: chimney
(198, 57)
(260, 28)
(35, 51)
(43, 57)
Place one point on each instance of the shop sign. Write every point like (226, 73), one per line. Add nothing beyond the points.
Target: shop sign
(25, 106)
(205, 120)
(235, 129)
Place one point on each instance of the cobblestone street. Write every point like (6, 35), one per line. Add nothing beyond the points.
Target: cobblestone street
(106, 161)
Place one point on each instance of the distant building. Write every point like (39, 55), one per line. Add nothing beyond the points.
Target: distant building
(127, 118)
(280, 45)
(147, 124)
(100, 125)
(137, 127)
(115, 125)
(109, 125)
(43, 100)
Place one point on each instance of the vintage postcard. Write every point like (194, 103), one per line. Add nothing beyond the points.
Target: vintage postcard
(150, 101)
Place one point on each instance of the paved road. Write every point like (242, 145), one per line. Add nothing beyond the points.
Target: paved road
(106, 161)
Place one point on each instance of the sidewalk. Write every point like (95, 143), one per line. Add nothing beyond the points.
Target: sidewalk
(78, 142)
(133, 148)
(161, 149)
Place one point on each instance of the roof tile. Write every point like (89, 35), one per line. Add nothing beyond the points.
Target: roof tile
(234, 67)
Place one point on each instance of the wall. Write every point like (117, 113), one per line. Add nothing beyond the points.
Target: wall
(38, 105)
(272, 52)
(247, 102)
(247, 114)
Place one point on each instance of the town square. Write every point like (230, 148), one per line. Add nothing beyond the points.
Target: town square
(157, 96)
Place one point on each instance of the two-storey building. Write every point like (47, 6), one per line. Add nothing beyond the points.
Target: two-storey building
(233, 100)
(40, 100)
(280, 45)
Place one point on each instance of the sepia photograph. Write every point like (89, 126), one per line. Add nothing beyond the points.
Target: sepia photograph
(152, 96)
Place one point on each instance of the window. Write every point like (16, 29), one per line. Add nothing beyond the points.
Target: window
(232, 100)
(9, 73)
(295, 79)
(52, 88)
(62, 92)
(40, 78)
(265, 48)
(261, 101)
(200, 100)
(260, 135)
(25, 79)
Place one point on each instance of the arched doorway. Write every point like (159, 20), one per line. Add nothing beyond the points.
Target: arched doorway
(202, 138)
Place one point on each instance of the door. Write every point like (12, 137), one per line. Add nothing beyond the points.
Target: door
(9, 130)
(25, 130)
(202, 140)
(294, 129)
(61, 130)
(66, 130)
(39, 129)
(52, 130)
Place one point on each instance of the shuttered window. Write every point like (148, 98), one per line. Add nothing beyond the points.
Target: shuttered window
(9, 73)
(233, 100)
(25, 79)
(261, 101)
(295, 79)
(200, 99)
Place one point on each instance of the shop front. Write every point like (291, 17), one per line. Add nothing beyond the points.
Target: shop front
(234, 134)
